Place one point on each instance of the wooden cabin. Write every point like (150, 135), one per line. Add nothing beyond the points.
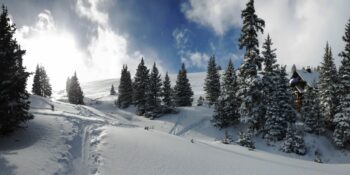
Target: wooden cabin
(299, 80)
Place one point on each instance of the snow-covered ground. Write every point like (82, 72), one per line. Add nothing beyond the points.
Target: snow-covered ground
(102, 139)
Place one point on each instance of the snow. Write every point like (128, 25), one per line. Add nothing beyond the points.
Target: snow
(100, 139)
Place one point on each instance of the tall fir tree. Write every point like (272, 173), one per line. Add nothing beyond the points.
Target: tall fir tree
(183, 94)
(327, 87)
(250, 84)
(311, 111)
(14, 103)
(167, 94)
(212, 82)
(112, 91)
(153, 94)
(45, 83)
(252, 24)
(341, 121)
(36, 89)
(75, 94)
(68, 84)
(140, 87)
(125, 91)
(226, 109)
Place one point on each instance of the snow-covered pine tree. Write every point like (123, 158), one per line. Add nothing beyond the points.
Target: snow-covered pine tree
(311, 112)
(327, 87)
(140, 87)
(125, 90)
(250, 84)
(341, 134)
(75, 94)
(153, 94)
(14, 104)
(200, 101)
(182, 91)
(294, 142)
(226, 109)
(167, 95)
(45, 83)
(36, 89)
(245, 139)
(285, 96)
(252, 24)
(112, 91)
(212, 82)
(68, 84)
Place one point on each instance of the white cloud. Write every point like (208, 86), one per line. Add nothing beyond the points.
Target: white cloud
(220, 15)
(57, 50)
(195, 59)
(299, 29)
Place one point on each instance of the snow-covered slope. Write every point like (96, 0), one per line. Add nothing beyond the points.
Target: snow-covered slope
(102, 139)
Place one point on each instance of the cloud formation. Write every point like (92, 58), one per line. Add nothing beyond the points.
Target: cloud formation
(299, 29)
(57, 49)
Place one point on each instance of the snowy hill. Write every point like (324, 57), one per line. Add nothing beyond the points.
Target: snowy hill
(102, 139)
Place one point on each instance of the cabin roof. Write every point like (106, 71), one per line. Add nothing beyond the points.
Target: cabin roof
(310, 78)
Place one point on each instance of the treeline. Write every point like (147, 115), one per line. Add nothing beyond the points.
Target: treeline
(262, 98)
(151, 95)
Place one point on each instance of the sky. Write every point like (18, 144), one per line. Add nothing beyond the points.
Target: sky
(96, 37)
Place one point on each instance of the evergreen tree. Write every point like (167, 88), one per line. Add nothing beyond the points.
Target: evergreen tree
(341, 134)
(112, 91)
(252, 24)
(167, 94)
(250, 94)
(294, 142)
(226, 109)
(245, 139)
(41, 83)
(140, 87)
(200, 101)
(75, 94)
(311, 112)
(153, 94)
(250, 84)
(182, 91)
(14, 104)
(327, 85)
(36, 90)
(212, 82)
(68, 84)
(45, 84)
(125, 91)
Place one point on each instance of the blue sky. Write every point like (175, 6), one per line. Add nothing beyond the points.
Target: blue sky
(96, 37)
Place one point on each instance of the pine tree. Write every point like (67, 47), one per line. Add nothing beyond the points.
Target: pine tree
(245, 139)
(125, 91)
(182, 91)
(14, 104)
(294, 142)
(68, 84)
(252, 24)
(153, 94)
(226, 109)
(327, 85)
(167, 94)
(36, 90)
(250, 84)
(45, 83)
(212, 82)
(311, 111)
(75, 94)
(341, 134)
(250, 94)
(140, 87)
(112, 91)
(200, 101)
